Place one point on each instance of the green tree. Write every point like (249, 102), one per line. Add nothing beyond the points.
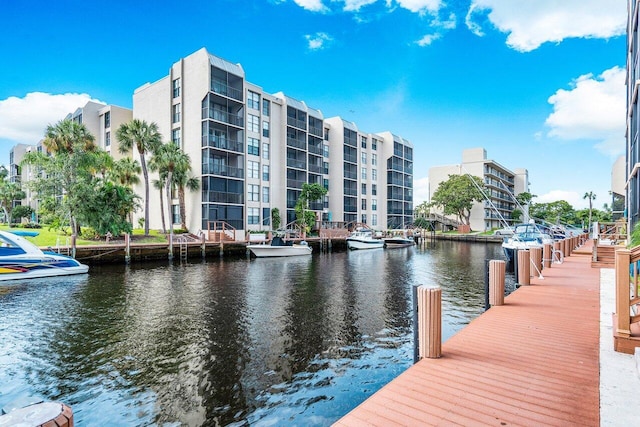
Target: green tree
(590, 195)
(9, 192)
(67, 181)
(310, 193)
(456, 196)
(422, 210)
(21, 211)
(125, 171)
(275, 218)
(145, 137)
(159, 184)
(109, 207)
(556, 212)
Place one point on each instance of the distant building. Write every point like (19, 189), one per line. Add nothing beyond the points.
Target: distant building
(632, 184)
(253, 151)
(502, 184)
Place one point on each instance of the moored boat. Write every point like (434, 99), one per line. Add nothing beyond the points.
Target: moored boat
(363, 239)
(398, 240)
(21, 259)
(525, 236)
(280, 248)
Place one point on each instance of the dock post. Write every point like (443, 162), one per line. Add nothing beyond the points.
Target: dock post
(524, 269)
(487, 284)
(558, 252)
(430, 321)
(497, 270)
(203, 246)
(414, 319)
(546, 255)
(170, 246)
(127, 248)
(567, 247)
(536, 259)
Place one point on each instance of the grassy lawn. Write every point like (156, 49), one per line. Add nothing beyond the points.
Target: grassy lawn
(53, 238)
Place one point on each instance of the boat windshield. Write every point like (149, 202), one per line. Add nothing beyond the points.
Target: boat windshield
(9, 247)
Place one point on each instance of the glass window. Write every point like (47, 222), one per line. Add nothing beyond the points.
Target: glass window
(325, 168)
(374, 189)
(107, 119)
(107, 139)
(374, 144)
(175, 136)
(364, 189)
(265, 194)
(325, 183)
(364, 218)
(253, 146)
(253, 215)
(363, 158)
(325, 150)
(253, 100)
(374, 159)
(265, 172)
(363, 204)
(254, 192)
(364, 141)
(363, 173)
(253, 123)
(265, 150)
(266, 216)
(374, 204)
(176, 113)
(374, 174)
(176, 87)
(254, 170)
(265, 129)
(175, 211)
(374, 219)
(326, 134)
(266, 107)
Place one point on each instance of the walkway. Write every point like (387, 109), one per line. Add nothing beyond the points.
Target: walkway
(533, 361)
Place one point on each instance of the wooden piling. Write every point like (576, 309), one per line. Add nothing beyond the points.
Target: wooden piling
(546, 255)
(524, 268)
(430, 321)
(536, 260)
(497, 269)
(127, 248)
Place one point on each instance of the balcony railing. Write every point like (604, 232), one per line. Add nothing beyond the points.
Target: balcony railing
(221, 88)
(222, 197)
(223, 143)
(222, 170)
(298, 164)
(297, 143)
(300, 124)
(223, 116)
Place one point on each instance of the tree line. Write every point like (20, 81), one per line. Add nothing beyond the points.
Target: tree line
(77, 183)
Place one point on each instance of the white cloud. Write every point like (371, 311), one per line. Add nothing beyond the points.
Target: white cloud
(311, 5)
(318, 41)
(427, 39)
(420, 6)
(531, 23)
(356, 5)
(24, 120)
(594, 109)
(420, 191)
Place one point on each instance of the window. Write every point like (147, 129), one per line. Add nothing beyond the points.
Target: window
(364, 141)
(265, 129)
(363, 173)
(265, 195)
(253, 123)
(253, 100)
(374, 219)
(107, 119)
(374, 204)
(175, 136)
(176, 113)
(265, 172)
(253, 170)
(363, 204)
(254, 192)
(374, 144)
(326, 134)
(175, 211)
(374, 174)
(325, 168)
(265, 150)
(176, 87)
(364, 218)
(266, 216)
(374, 159)
(253, 146)
(253, 215)
(374, 189)
(325, 150)
(266, 107)
(107, 139)
(364, 189)
(363, 158)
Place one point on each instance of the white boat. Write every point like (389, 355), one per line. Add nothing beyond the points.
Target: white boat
(21, 259)
(525, 236)
(280, 248)
(398, 240)
(363, 239)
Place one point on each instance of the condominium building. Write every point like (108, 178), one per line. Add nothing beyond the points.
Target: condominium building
(254, 150)
(633, 115)
(502, 186)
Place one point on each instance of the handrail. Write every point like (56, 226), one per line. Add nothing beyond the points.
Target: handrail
(221, 231)
(627, 274)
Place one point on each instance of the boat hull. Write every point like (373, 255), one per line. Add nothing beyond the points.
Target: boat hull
(263, 251)
(359, 244)
(35, 270)
(391, 243)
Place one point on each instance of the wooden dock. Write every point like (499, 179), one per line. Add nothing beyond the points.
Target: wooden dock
(532, 361)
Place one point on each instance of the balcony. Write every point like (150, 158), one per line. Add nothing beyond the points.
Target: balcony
(300, 124)
(221, 88)
(298, 164)
(297, 143)
(222, 197)
(223, 143)
(222, 170)
(223, 116)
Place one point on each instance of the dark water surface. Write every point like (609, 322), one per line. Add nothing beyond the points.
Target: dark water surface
(297, 341)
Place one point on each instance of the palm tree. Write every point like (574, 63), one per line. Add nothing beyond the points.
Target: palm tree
(591, 196)
(146, 138)
(182, 181)
(126, 172)
(159, 184)
(67, 136)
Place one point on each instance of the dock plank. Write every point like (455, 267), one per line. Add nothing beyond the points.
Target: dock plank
(532, 361)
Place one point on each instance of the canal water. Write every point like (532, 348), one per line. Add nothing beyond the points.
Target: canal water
(296, 341)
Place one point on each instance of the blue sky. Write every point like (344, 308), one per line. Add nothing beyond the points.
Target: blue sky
(539, 83)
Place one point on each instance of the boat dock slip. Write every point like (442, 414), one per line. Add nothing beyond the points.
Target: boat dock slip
(532, 361)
